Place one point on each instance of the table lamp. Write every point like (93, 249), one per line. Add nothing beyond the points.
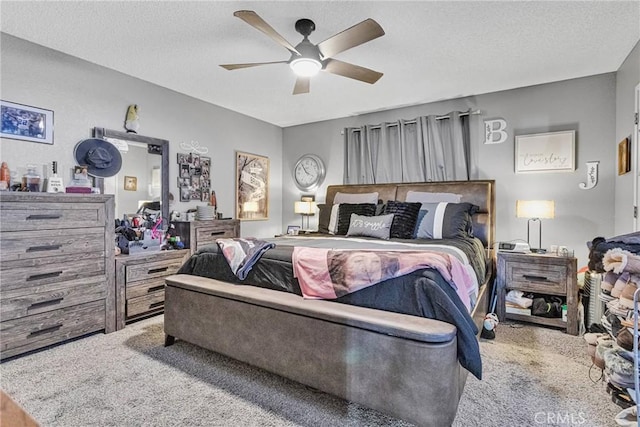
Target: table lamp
(306, 208)
(535, 210)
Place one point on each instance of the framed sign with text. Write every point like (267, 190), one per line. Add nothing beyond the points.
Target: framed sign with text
(545, 152)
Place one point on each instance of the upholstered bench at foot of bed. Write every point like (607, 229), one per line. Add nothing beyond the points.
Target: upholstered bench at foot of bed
(402, 365)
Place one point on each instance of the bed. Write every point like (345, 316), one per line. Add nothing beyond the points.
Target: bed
(403, 346)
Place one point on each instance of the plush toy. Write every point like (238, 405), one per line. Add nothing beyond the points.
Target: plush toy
(619, 260)
(489, 326)
(132, 121)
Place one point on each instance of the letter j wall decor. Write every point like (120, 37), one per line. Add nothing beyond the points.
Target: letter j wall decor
(545, 152)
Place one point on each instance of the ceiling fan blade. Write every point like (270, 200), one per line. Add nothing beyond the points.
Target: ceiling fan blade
(302, 85)
(251, 64)
(252, 18)
(360, 33)
(352, 71)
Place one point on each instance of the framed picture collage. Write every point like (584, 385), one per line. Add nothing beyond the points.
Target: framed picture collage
(194, 179)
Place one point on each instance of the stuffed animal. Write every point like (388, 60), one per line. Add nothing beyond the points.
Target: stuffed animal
(132, 121)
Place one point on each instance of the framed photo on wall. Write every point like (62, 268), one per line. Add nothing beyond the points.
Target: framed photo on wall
(252, 186)
(26, 123)
(624, 156)
(131, 183)
(545, 152)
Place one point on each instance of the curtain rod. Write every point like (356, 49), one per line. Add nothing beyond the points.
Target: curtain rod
(465, 113)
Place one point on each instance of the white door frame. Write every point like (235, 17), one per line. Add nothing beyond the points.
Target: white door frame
(636, 160)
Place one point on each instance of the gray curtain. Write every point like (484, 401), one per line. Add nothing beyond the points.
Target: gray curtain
(424, 149)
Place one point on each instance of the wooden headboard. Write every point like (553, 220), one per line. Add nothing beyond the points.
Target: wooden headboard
(481, 193)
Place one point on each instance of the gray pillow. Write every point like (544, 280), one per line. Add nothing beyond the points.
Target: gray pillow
(446, 220)
(370, 226)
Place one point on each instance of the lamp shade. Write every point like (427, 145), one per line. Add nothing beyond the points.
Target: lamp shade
(304, 207)
(535, 209)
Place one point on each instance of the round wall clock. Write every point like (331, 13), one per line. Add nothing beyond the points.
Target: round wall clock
(308, 172)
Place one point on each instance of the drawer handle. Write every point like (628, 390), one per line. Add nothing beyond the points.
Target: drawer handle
(156, 304)
(43, 276)
(217, 233)
(30, 217)
(536, 278)
(43, 248)
(45, 303)
(45, 330)
(155, 288)
(157, 270)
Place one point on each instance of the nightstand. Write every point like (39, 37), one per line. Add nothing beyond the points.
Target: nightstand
(539, 274)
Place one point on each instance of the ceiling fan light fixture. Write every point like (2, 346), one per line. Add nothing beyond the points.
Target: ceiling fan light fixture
(305, 67)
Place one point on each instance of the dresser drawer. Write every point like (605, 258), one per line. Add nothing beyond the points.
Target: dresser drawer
(20, 245)
(16, 216)
(138, 289)
(151, 270)
(52, 270)
(144, 304)
(31, 332)
(39, 299)
(548, 278)
(206, 235)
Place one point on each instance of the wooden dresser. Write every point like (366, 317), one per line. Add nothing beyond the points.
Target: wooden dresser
(196, 234)
(56, 268)
(140, 283)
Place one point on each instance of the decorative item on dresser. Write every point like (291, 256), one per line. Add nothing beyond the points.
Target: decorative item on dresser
(140, 283)
(543, 275)
(56, 265)
(196, 234)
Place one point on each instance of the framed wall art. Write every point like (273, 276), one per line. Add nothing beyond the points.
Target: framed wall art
(131, 183)
(26, 123)
(252, 186)
(624, 156)
(194, 179)
(545, 152)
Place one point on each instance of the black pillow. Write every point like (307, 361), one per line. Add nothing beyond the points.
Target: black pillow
(404, 219)
(346, 209)
(324, 216)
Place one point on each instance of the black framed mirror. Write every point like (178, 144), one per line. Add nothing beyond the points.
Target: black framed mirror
(136, 183)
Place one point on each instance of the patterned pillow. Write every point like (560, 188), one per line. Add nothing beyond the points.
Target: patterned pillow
(346, 209)
(370, 226)
(446, 220)
(404, 219)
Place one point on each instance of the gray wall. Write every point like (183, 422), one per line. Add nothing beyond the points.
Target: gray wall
(586, 105)
(84, 95)
(627, 78)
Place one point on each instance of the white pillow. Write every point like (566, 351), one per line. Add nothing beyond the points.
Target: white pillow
(333, 219)
(355, 198)
(424, 197)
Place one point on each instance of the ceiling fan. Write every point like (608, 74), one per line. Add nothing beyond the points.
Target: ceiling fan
(307, 59)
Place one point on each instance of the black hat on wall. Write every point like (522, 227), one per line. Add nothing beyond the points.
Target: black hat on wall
(102, 158)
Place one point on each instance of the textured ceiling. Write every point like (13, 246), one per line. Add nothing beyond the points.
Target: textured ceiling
(431, 50)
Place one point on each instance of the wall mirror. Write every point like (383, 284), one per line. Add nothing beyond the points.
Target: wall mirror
(143, 179)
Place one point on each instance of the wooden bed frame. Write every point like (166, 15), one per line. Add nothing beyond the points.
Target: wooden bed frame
(402, 365)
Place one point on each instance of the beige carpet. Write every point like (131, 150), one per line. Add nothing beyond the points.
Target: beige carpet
(532, 376)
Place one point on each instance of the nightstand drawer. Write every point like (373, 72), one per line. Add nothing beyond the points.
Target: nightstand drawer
(145, 304)
(546, 278)
(151, 270)
(208, 235)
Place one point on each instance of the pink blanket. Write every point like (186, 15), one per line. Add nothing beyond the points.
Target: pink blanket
(329, 274)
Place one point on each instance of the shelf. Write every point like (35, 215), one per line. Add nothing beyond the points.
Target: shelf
(557, 322)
